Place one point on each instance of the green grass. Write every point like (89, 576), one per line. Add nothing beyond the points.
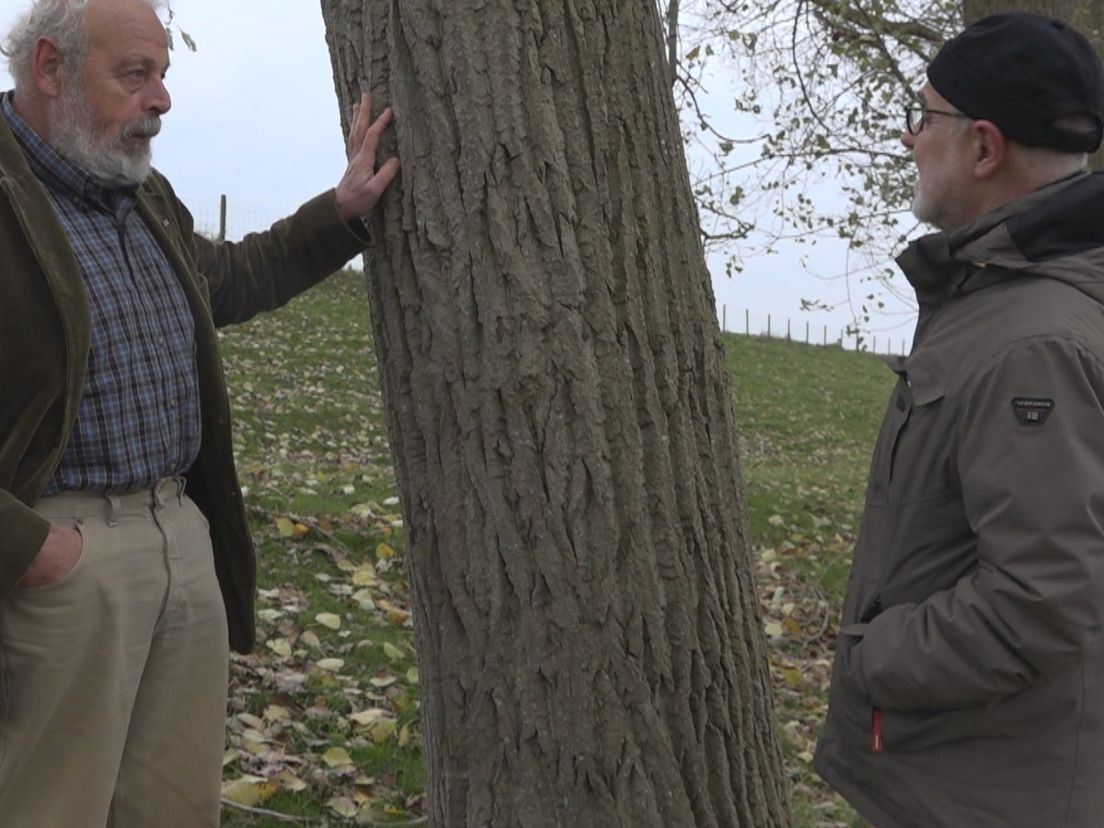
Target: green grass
(807, 418)
(312, 449)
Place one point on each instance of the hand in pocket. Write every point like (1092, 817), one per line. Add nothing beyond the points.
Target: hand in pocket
(56, 559)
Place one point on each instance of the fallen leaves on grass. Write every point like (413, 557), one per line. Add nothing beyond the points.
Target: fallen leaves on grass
(328, 696)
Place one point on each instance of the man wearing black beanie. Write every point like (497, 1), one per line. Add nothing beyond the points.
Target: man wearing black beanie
(968, 685)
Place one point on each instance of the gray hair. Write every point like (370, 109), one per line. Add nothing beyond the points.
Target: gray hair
(1050, 164)
(1044, 163)
(61, 20)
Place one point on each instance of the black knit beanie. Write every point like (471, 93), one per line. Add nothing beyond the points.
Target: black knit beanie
(1023, 72)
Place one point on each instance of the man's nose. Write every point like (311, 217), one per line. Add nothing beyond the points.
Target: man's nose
(160, 101)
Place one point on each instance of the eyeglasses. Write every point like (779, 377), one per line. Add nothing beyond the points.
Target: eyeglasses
(916, 117)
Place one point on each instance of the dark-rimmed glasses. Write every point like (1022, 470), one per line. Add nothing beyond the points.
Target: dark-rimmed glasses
(916, 117)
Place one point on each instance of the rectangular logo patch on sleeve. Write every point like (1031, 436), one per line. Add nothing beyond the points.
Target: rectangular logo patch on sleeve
(1032, 411)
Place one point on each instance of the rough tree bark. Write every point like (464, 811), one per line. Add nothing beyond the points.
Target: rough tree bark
(560, 416)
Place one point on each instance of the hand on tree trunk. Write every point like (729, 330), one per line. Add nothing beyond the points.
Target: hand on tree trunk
(362, 184)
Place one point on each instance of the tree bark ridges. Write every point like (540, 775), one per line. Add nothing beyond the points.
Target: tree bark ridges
(551, 572)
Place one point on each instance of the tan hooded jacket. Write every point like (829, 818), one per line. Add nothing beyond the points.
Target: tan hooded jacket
(967, 688)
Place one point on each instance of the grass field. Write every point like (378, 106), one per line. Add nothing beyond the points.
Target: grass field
(324, 727)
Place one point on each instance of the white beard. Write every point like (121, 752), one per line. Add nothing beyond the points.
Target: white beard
(921, 208)
(75, 136)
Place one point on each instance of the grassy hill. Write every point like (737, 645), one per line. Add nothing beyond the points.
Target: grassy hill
(324, 721)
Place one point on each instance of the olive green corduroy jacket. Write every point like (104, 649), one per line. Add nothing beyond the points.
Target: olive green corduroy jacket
(44, 341)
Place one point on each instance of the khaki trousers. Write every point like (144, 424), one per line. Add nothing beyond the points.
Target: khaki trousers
(116, 675)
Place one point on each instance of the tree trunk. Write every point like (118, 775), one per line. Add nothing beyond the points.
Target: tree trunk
(586, 620)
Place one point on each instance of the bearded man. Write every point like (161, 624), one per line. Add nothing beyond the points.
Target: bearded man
(126, 567)
(968, 685)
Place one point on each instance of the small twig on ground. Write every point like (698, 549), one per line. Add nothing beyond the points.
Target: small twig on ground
(276, 815)
(270, 515)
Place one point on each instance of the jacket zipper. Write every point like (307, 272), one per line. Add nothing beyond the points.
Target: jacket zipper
(876, 743)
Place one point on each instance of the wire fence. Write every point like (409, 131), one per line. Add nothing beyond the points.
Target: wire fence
(225, 218)
(748, 323)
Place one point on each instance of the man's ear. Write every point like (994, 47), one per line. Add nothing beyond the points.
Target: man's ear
(990, 148)
(48, 67)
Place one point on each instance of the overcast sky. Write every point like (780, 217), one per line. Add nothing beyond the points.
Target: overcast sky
(255, 117)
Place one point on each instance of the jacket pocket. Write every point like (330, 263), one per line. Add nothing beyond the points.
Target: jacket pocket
(904, 731)
(885, 449)
(921, 465)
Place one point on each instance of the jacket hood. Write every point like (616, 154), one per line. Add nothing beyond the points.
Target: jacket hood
(1054, 232)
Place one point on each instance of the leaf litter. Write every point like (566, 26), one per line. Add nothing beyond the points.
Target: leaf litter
(324, 725)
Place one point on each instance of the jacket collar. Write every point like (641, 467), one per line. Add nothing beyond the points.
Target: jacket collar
(935, 265)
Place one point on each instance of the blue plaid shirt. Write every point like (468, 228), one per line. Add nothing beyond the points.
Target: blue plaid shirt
(138, 419)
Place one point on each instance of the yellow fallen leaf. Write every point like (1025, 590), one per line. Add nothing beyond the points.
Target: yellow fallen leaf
(773, 630)
(328, 619)
(276, 713)
(249, 791)
(400, 700)
(311, 640)
(342, 806)
(362, 510)
(382, 682)
(404, 735)
(393, 810)
(299, 529)
(285, 527)
(393, 652)
(365, 575)
(331, 664)
(364, 800)
(230, 757)
(288, 781)
(369, 716)
(250, 721)
(364, 600)
(280, 646)
(412, 675)
(382, 730)
(385, 550)
(254, 744)
(792, 677)
(398, 616)
(395, 614)
(337, 757)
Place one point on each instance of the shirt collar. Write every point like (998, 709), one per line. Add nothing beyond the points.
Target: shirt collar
(58, 173)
